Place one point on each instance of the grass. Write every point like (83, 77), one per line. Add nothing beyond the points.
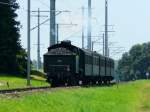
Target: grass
(145, 102)
(19, 82)
(128, 97)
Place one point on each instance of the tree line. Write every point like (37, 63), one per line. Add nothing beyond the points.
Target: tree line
(135, 63)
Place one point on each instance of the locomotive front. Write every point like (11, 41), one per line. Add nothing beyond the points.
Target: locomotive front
(60, 64)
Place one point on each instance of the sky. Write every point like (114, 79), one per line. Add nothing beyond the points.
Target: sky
(129, 19)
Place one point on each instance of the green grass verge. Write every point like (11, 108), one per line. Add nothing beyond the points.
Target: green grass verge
(130, 97)
(19, 82)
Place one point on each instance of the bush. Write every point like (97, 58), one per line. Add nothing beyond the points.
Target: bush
(38, 73)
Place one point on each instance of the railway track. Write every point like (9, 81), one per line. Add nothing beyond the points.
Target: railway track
(19, 90)
(32, 89)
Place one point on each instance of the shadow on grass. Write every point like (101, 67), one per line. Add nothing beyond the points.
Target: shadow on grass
(11, 75)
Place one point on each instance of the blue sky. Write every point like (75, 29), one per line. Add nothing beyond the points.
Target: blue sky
(130, 18)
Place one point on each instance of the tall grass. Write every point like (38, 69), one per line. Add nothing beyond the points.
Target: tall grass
(125, 98)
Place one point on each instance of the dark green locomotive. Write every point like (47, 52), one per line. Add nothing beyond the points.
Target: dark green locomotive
(68, 64)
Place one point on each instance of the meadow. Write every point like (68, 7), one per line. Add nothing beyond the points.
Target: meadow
(10, 82)
(126, 97)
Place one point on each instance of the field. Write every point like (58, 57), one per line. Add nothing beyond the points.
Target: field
(9, 82)
(127, 97)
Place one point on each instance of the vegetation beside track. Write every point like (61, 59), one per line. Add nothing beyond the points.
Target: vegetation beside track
(127, 97)
(11, 82)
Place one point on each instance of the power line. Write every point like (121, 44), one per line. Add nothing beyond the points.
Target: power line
(43, 3)
(59, 12)
(38, 39)
(58, 25)
(73, 34)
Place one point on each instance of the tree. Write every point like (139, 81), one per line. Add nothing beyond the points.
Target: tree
(136, 63)
(124, 67)
(12, 55)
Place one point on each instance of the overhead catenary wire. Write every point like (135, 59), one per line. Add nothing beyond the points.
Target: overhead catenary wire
(49, 19)
(46, 20)
(44, 4)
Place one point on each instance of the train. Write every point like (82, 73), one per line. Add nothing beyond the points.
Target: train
(66, 64)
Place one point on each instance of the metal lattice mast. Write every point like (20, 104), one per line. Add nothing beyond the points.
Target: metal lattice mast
(38, 42)
(52, 23)
(57, 33)
(89, 25)
(106, 28)
(82, 27)
(103, 44)
(28, 44)
(38, 35)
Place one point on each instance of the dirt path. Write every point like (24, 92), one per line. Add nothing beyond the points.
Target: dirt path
(145, 99)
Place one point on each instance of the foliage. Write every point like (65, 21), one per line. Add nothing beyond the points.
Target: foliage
(135, 63)
(34, 64)
(12, 55)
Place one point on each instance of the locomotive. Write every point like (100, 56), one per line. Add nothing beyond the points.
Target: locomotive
(65, 63)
